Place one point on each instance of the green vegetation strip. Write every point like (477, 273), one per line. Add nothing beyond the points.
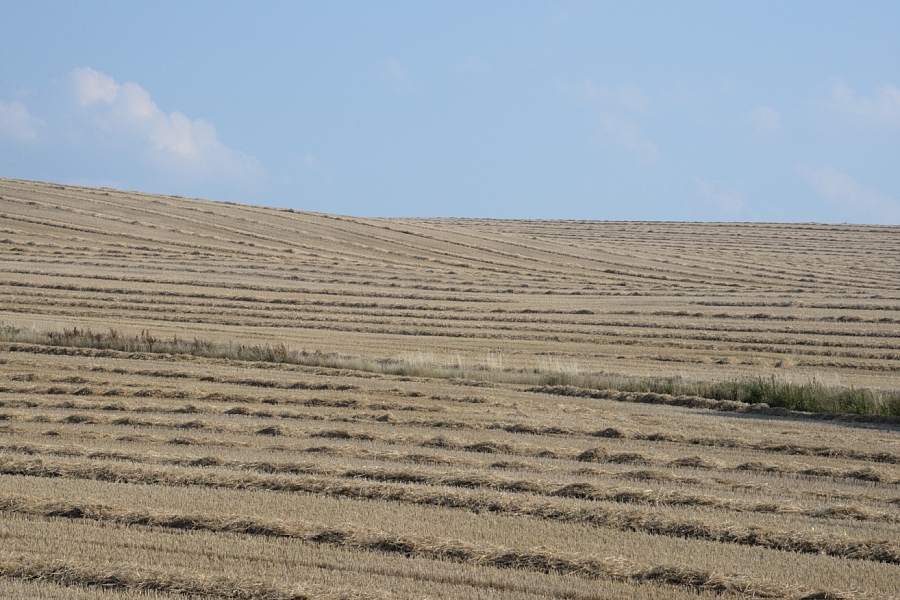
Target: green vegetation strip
(812, 396)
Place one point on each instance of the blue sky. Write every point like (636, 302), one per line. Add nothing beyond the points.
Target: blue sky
(774, 111)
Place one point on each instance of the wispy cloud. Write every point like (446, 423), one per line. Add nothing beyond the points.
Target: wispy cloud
(396, 74)
(766, 121)
(625, 96)
(316, 165)
(626, 135)
(728, 203)
(858, 202)
(18, 124)
(881, 109)
(89, 115)
(474, 65)
(618, 108)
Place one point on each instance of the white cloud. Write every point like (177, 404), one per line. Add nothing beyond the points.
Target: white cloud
(93, 86)
(765, 120)
(882, 109)
(860, 203)
(728, 203)
(86, 126)
(17, 123)
(626, 134)
(125, 114)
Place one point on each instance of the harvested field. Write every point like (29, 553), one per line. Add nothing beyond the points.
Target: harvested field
(212, 400)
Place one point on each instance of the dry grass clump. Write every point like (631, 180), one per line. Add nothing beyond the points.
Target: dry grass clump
(271, 430)
(139, 577)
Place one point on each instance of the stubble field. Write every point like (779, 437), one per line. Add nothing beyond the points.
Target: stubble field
(215, 400)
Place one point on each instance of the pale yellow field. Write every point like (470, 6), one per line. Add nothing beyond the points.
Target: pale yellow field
(146, 475)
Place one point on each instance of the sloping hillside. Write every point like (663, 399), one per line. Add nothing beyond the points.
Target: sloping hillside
(696, 300)
(167, 429)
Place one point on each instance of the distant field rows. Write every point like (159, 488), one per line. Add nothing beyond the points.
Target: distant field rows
(682, 299)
